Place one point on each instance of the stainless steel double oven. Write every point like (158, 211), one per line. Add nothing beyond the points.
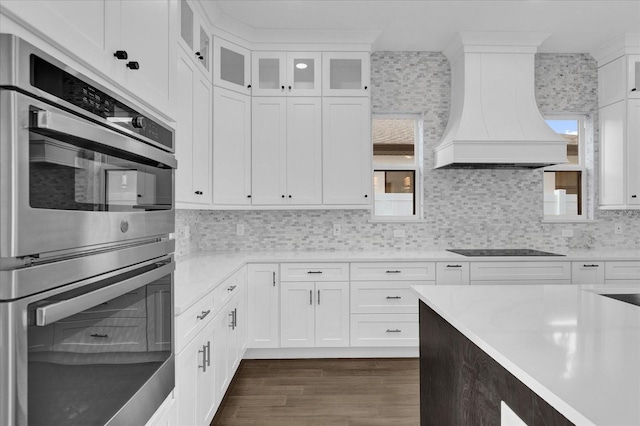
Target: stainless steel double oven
(86, 257)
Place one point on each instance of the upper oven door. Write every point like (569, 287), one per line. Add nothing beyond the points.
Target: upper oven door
(69, 183)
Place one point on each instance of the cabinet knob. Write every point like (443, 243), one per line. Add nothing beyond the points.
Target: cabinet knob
(634, 196)
(248, 86)
(282, 87)
(289, 196)
(366, 196)
(248, 196)
(133, 65)
(121, 54)
(282, 195)
(289, 88)
(366, 87)
(198, 192)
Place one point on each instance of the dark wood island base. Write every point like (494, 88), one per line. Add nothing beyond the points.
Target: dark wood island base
(460, 384)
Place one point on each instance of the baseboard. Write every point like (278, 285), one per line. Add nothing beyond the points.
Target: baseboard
(292, 353)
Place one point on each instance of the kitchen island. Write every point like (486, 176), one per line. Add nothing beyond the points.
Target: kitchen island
(554, 354)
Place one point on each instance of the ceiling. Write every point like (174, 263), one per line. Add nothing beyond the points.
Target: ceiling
(428, 25)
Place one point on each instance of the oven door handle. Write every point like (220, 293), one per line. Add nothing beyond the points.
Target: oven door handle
(53, 312)
(54, 124)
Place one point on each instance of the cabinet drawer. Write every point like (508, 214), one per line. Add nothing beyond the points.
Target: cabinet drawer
(452, 273)
(622, 270)
(191, 322)
(384, 330)
(314, 272)
(532, 272)
(390, 297)
(225, 291)
(397, 271)
(87, 336)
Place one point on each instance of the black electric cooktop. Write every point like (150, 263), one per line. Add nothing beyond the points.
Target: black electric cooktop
(502, 252)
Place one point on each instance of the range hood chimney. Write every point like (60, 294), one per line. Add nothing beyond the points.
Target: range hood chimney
(494, 121)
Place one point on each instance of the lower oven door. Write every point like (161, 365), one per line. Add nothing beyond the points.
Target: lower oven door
(97, 352)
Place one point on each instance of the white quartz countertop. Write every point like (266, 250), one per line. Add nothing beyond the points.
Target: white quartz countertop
(576, 349)
(197, 274)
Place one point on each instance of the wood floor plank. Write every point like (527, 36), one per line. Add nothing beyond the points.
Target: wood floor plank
(327, 392)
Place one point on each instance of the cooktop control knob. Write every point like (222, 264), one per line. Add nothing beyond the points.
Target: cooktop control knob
(139, 122)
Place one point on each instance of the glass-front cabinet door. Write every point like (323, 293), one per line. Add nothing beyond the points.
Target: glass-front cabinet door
(286, 74)
(269, 73)
(232, 68)
(195, 37)
(345, 74)
(303, 74)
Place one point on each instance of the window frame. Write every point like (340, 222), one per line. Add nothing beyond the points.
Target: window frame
(580, 167)
(417, 168)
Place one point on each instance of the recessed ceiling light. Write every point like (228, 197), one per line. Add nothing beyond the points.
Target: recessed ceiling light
(301, 65)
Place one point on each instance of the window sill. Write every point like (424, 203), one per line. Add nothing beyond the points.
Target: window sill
(568, 220)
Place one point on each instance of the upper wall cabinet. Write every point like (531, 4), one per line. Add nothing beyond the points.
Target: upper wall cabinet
(633, 76)
(345, 74)
(129, 42)
(286, 74)
(195, 37)
(232, 66)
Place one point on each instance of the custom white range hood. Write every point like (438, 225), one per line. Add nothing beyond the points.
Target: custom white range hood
(494, 121)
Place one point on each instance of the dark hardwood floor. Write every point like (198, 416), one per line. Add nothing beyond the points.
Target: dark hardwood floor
(323, 392)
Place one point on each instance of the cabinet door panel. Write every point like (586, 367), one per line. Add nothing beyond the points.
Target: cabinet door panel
(268, 148)
(452, 273)
(304, 151)
(345, 74)
(231, 148)
(346, 151)
(263, 306)
(587, 273)
(633, 151)
(612, 154)
(219, 359)
(268, 73)
(332, 314)
(297, 314)
(232, 66)
(303, 74)
(202, 140)
(184, 131)
(146, 30)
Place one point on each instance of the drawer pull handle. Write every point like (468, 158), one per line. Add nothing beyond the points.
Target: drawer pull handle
(310, 297)
(102, 336)
(314, 272)
(231, 288)
(397, 330)
(454, 266)
(274, 279)
(394, 297)
(318, 297)
(393, 272)
(591, 266)
(204, 314)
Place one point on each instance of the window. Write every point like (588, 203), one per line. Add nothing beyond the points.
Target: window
(397, 166)
(565, 184)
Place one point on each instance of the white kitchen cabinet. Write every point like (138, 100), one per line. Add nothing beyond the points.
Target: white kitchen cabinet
(612, 81)
(287, 140)
(346, 74)
(263, 285)
(195, 378)
(537, 272)
(452, 273)
(346, 151)
(377, 330)
(286, 73)
(633, 76)
(232, 66)
(195, 37)
(620, 155)
(622, 272)
(95, 30)
(384, 297)
(314, 314)
(587, 272)
(194, 99)
(397, 271)
(231, 148)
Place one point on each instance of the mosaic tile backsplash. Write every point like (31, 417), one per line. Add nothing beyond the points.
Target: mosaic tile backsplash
(462, 208)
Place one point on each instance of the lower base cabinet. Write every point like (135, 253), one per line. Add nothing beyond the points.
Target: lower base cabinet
(206, 365)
